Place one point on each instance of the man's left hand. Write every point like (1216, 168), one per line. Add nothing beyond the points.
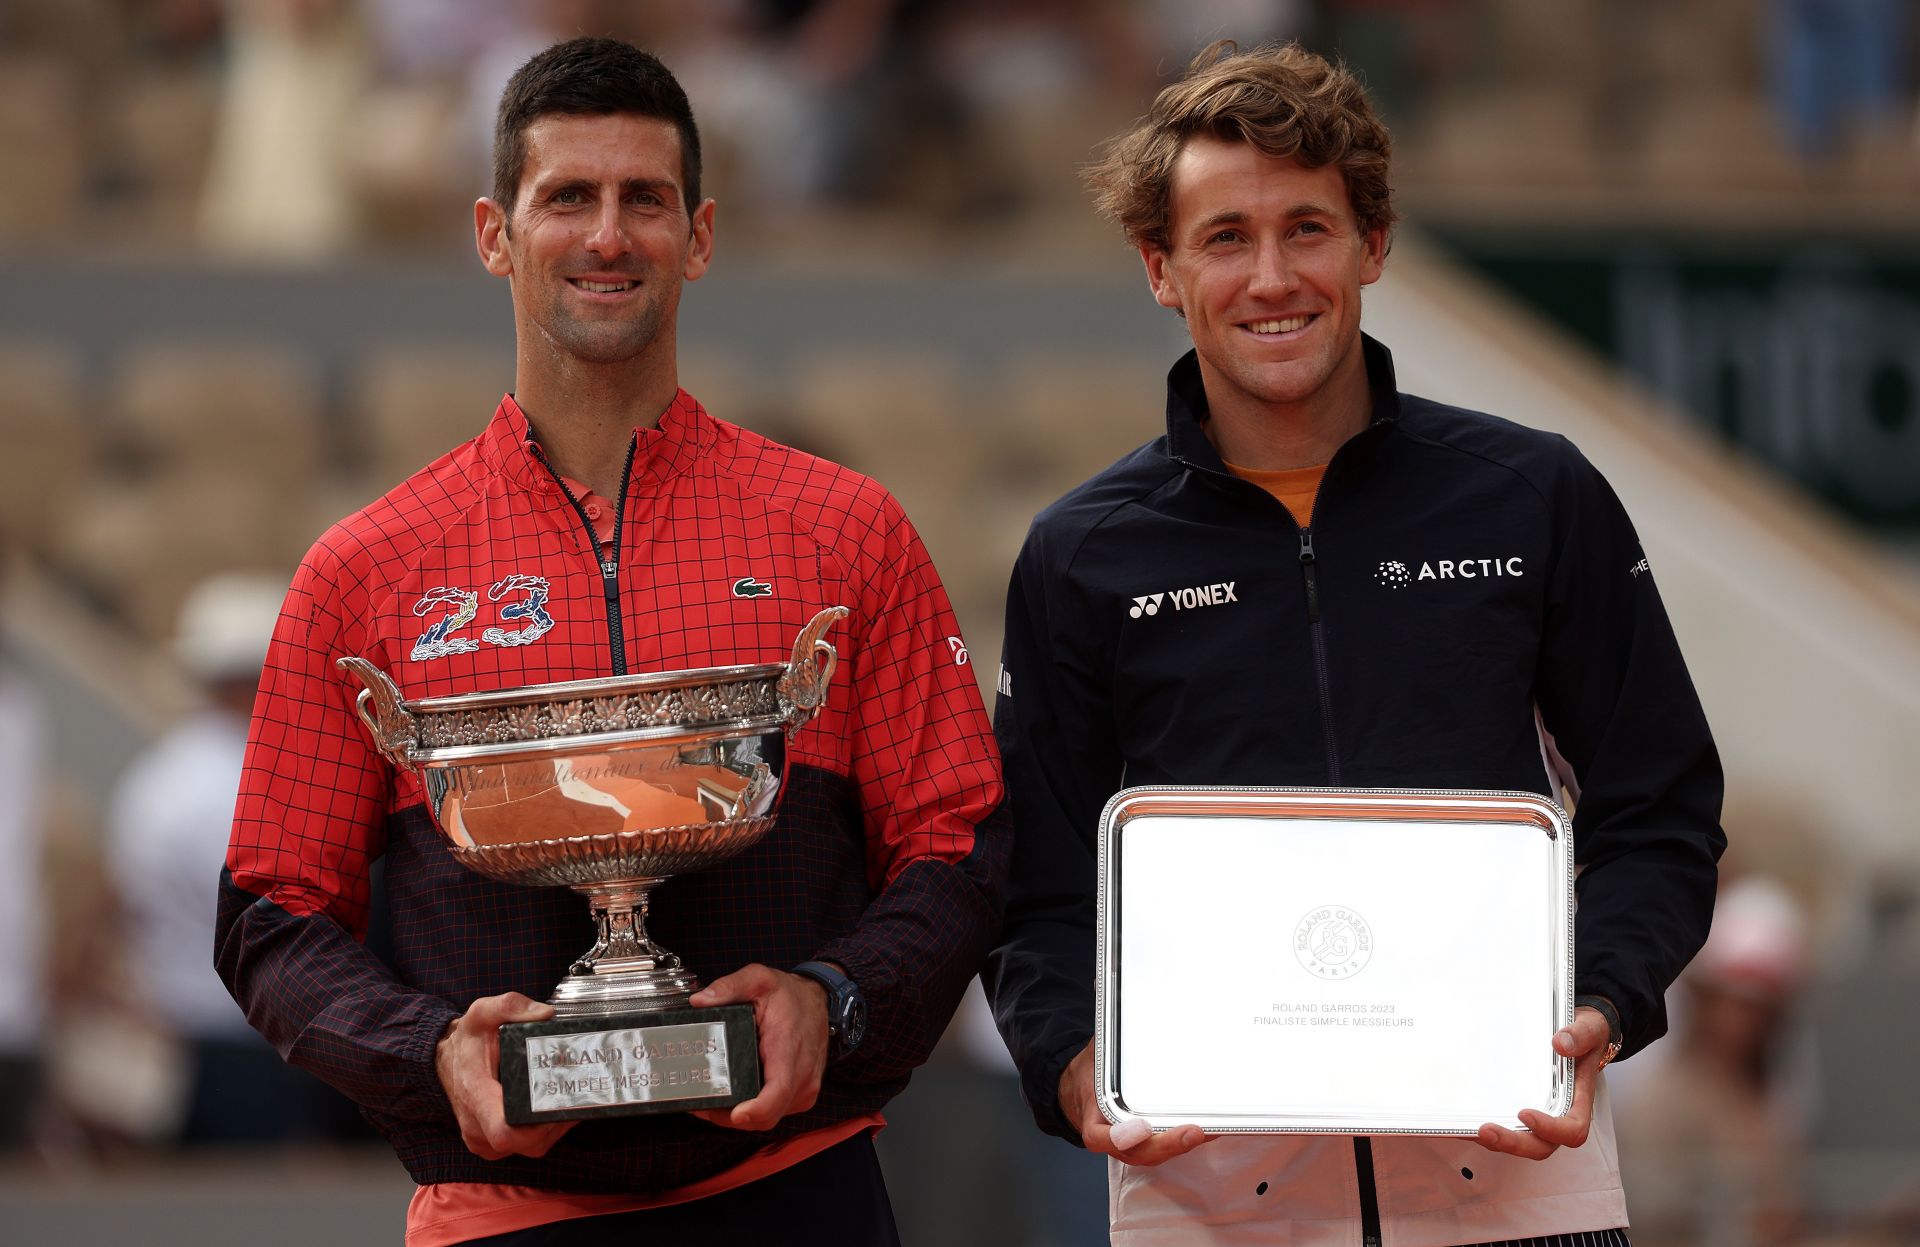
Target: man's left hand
(1585, 1041)
(791, 1013)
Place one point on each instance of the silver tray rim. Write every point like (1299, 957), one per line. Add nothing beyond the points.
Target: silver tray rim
(1357, 803)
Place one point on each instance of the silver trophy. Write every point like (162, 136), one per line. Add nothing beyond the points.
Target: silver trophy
(611, 787)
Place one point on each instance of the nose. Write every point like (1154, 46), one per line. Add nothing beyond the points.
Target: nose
(1273, 272)
(608, 238)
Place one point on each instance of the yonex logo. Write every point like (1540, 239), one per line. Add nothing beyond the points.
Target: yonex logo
(1184, 599)
(748, 587)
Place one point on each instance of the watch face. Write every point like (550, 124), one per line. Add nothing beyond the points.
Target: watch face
(853, 1023)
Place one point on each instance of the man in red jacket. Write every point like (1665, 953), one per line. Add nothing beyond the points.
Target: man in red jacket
(604, 522)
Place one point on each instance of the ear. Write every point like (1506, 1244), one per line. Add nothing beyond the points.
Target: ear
(490, 237)
(1374, 259)
(700, 242)
(1159, 278)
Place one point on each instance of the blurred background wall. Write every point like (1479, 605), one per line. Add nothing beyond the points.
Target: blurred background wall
(238, 299)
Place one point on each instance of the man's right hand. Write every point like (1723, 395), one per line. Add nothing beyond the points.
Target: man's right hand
(1134, 1141)
(468, 1062)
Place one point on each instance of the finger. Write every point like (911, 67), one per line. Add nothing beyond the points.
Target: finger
(1588, 1032)
(746, 983)
(538, 1140)
(509, 1007)
(1568, 1131)
(1571, 1128)
(1513, 1143)
(1163, 1147)
(775, 1100)
(501, 1140)
(1129, 1134)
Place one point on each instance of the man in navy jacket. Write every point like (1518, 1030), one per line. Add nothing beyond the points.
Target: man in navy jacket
(1313, 579)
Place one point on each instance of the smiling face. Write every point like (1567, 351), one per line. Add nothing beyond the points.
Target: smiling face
(1265, 259)
(600, 239)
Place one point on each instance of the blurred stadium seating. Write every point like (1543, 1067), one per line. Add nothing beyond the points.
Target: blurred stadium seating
(963, 329)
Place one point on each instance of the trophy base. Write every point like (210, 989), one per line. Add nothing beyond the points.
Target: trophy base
(622, 1064)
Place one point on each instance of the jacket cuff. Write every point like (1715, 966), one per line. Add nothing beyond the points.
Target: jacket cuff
(1041, 1086)
(423, 1073)
(869, 974)
(1607, 996)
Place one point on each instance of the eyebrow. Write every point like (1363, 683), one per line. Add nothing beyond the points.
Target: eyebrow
(664, 187)
(1233, 216)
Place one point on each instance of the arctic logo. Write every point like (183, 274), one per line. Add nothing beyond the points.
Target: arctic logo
(748, 587)
(1184, 599)
(1394, 574)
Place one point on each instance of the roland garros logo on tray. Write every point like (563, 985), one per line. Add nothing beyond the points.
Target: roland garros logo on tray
(1333, 942)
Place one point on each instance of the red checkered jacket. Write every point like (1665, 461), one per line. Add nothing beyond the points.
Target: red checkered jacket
(888, 855)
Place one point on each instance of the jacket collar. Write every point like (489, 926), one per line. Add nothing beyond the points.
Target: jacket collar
(1187, 404)
(684, 433)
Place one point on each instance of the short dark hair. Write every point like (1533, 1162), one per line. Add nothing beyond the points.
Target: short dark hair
(585, 77)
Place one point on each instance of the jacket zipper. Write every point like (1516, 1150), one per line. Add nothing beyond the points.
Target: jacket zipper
(1319, 655)
(609, 563)
(1369, 1198)
(1362, 1146)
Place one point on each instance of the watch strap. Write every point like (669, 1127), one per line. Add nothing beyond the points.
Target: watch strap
(841, 991)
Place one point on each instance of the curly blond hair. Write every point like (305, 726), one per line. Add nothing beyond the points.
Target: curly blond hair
(1281, 99)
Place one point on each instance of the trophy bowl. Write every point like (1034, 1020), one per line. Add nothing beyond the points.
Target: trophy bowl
(610, 787)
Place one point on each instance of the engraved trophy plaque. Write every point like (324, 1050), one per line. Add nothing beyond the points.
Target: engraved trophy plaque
(610, 787)
(1332, 961)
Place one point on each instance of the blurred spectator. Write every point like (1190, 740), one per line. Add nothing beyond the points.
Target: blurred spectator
(1407, 50)
(1839, 68)
(280, 185)
(166, 842)
(22, 922)
(1711, 1139)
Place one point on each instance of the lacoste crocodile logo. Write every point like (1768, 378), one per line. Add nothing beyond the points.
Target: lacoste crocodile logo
(748, 587)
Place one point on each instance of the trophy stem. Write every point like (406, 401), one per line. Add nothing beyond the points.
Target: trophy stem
(624, 971)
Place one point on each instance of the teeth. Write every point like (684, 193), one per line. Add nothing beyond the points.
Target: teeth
(605, 287)
(1288, 325)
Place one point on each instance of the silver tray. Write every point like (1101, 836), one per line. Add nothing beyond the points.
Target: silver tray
(1346, 961)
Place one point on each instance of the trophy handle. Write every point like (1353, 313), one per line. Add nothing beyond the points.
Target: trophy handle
(384, 712)
(804, 686)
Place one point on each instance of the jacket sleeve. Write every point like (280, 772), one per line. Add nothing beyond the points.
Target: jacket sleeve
(292, 916)
(928, 778)
(1615, 694)
(1055, 724)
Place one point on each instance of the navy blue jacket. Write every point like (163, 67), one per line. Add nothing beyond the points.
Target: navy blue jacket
(1169, 622)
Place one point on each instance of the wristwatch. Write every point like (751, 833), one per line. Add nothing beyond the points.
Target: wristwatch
(846, 1007)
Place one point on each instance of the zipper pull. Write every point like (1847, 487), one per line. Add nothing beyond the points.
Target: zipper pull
(610, 578)
(1306, 563)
